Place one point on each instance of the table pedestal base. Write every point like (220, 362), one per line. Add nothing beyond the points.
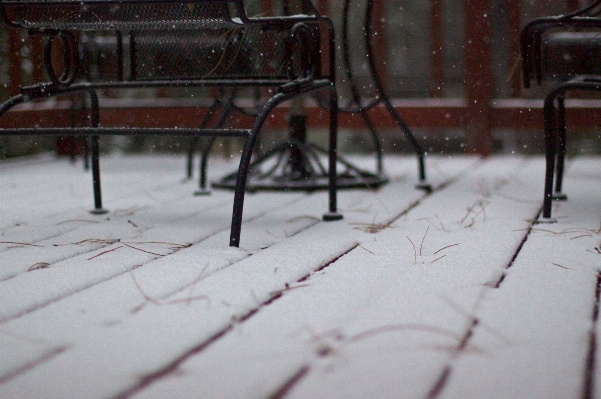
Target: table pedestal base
(298, 166)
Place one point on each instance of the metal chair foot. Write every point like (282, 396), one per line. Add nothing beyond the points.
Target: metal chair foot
(202, 193)
(544, 220)
(332, 216)
(427, 187)
(560, 197)
(99, 211)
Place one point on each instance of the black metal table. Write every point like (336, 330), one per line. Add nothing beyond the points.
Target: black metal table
(295, 165)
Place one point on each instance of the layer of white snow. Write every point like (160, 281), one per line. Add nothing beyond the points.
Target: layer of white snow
(412, 295)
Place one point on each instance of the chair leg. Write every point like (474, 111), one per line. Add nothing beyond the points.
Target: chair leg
(251, 140)
(558, 195)
(244, 168)
(550, 149)
(95, 116)
(77, 112)
(423, 183)
(204, 160)
(86, 153)
(98, 210)
(236, 228)
(194, 141)
(189, 164)
(333, 214)
(376, 140)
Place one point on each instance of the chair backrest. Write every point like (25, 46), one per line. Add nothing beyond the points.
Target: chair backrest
(563, 46)
(570, 54)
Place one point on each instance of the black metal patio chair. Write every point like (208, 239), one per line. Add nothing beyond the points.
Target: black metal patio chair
(565, 50)
(214, 43)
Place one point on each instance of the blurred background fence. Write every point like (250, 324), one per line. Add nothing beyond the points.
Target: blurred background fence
(452, 68)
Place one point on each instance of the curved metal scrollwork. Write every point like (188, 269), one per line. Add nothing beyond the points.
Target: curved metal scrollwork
(300, 53)
(70, 58)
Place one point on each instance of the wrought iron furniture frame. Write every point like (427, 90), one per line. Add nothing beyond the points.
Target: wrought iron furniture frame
(108, 15)
(534, 66)
(297, 166)
(357, 105)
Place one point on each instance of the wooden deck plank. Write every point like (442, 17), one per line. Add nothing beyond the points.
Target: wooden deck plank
(39, 212)
(533, 335)
(32, 192)
(98, 295)
(94, 265)
(212, 321)
(360, 333)
(435, 296)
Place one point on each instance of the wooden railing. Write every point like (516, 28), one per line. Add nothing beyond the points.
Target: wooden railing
(478, 112)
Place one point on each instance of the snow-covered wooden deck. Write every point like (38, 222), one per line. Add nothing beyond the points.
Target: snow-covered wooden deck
(453, 294)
